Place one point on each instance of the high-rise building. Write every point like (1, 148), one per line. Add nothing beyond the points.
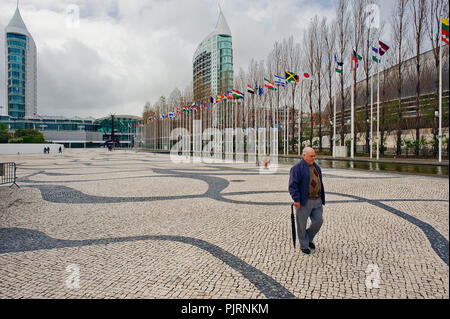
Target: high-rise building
(20, 68)
(213, 63)
(3, 95)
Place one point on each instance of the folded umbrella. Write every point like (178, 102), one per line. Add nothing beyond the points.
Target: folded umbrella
(293, 224)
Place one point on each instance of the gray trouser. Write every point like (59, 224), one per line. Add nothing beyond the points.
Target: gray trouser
(313, 209)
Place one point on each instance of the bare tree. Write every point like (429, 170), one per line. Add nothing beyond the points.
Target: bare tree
(369, 38)
(399, 24)
(342, 26)
(310, 45)
(436, 10)
(318, 57)
(418, 10)
(147, 108)
(292, 65)
(252, 78)
(358, 17)
(276, 61)
(329, 46)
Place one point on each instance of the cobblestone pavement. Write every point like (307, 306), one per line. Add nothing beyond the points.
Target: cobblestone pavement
(98, 224)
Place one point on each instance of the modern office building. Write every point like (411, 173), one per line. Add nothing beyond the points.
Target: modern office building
(213, 63)
(79, 132)
(20, 68)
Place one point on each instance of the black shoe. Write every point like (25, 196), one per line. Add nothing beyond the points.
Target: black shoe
(306, 251)
(312, 246)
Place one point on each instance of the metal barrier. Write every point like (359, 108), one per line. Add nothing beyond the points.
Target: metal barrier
(8, 173)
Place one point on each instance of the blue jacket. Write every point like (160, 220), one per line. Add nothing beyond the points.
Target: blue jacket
(299, 182)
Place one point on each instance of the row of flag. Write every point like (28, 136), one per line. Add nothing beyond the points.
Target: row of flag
(378, 52)
(279, 81)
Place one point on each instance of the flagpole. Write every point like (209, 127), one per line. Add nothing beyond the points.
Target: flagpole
(371, 116)
(352, 153)
(440, 92)
(378, 110)
(255, 128)
(201, 125)
(300, 120)
(334, 124)
(284, 130)
(287, 131)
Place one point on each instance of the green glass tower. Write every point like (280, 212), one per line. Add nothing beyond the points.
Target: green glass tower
(213, 63)
(21, 69)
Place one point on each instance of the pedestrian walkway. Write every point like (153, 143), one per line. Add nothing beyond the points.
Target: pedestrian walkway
(124, 224)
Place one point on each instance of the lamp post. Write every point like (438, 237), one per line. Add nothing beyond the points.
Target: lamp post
(333, 139)
(437, 118)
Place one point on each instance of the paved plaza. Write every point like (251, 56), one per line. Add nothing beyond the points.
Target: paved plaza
(125, 224)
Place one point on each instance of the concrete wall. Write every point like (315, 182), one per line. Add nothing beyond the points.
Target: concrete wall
(6, 149)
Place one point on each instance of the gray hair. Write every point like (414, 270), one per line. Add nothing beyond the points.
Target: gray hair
(306, 150)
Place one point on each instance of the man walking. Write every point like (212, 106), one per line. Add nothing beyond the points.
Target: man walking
(307, 191)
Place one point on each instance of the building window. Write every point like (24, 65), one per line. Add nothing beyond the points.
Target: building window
(16, 36)
(226, 52)
(227, 59)
(16, 44)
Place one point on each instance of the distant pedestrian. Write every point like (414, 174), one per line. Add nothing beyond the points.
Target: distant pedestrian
(307, 191)
(60, 149)
(45, 150)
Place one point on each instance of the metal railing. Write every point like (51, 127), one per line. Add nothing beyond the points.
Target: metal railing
(8, 173)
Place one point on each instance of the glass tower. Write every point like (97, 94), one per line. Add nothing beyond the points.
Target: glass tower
(213, 63)
(21, 69)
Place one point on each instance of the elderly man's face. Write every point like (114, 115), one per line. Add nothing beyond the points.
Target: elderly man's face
(310, 157)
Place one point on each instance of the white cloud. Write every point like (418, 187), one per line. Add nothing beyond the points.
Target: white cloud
(125, 53)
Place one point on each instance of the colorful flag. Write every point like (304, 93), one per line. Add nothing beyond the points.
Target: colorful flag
(375, 56)
(383, 47)
(291, 77)
(445, 30)
(236, 94)
(260, 91)
(306, 76)
(269, 84)
(250, 89)
(38, 115)
(339, 65)
(280, 81)
(355, 58)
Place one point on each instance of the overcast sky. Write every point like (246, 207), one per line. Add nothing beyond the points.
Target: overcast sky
(122, 53)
